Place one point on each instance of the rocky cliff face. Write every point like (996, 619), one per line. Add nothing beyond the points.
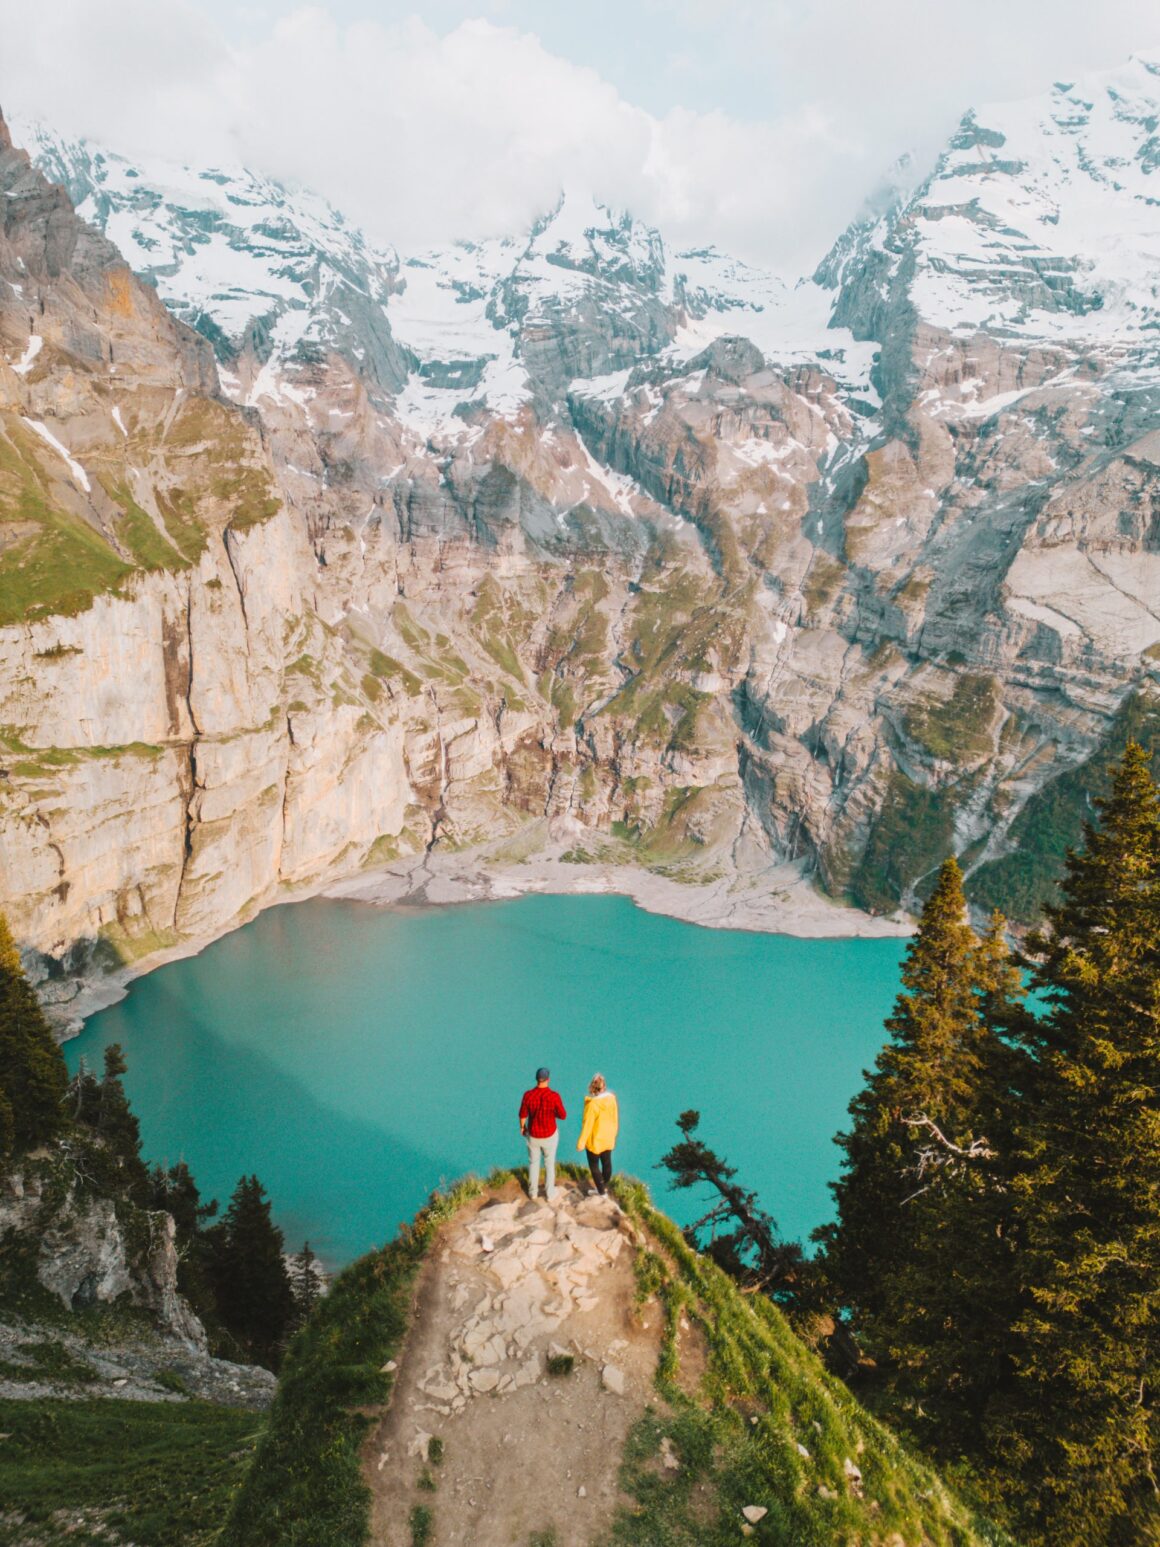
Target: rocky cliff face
(565, 534)
(88, 1249)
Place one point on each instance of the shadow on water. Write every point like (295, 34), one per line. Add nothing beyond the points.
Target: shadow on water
(227, 1109)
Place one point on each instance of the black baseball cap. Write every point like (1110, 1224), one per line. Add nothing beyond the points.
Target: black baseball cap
(543, 1074)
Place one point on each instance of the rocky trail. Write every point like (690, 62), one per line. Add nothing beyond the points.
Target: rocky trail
(524, 1370)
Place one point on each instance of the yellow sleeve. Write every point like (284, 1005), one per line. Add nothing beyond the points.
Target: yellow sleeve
(586, 1124)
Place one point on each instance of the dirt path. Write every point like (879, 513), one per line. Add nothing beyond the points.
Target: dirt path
(525, 1453)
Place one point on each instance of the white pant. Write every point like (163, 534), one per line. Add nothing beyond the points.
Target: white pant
(546, 1148)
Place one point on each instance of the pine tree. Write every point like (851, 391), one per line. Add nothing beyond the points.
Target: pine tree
(928, 1068)
(33, 1078)
(7, 1128)
(175, 1191)
(1076, 1446)
(306, 1283)
(919, 1253)
(742, 1238)
(252, 1287)
(83, 1097)
(118, 1126)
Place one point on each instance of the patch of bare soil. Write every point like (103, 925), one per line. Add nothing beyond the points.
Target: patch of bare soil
(516, 1453)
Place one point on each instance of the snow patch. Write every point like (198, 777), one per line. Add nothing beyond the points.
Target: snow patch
(33, 348)
(50, 439)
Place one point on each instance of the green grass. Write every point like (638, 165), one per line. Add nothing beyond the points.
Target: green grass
(1053, 818)
(386, 666)
(501, 624)
(104, 1472)
(44, 762)
(305, 1488)
(959, 729)
(137, 533)
(169, 1380)
(179, 512)
(217, 447)
(50, 1361)
(763, 1395)
(422, 1523)
(413, 634)
(62, 563)
(54, 562)
(912, 834)
(585, 632)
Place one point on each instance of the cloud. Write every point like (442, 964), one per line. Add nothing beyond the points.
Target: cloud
(424, 135)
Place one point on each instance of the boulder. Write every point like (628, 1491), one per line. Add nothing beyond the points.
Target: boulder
(612, 1379)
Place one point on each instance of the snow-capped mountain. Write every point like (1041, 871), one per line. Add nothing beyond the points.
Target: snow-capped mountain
(250, 264)
(567, 527)
(1039, 222)
(278, 274)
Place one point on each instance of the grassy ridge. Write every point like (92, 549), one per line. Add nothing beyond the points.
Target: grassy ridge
(305, 1488)
(762, 1395)
(767, 1427)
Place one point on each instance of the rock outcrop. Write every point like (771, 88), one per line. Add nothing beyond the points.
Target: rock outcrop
(534, 1268)
(87, 1248)
(140, 1366)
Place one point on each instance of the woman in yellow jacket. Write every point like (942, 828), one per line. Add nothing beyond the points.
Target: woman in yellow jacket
(598, 1131)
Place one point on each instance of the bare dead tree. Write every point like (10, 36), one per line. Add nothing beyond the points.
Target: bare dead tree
(940, 1154)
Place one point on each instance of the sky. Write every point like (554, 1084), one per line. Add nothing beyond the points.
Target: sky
(757, 125)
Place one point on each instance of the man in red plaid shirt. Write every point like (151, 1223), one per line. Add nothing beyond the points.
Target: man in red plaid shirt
(539, 1110)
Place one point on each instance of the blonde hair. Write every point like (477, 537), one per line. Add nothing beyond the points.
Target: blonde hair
(596, 1085)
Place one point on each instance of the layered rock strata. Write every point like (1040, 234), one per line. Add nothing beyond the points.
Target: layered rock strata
(567, 541)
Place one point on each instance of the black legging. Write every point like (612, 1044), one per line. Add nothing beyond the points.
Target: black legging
(601, 1167)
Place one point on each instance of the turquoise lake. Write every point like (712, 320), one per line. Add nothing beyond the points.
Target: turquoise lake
(355, 1058)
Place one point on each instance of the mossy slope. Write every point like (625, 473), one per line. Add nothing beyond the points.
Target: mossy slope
(1052, 821)
(763, 1425)
(61, 545)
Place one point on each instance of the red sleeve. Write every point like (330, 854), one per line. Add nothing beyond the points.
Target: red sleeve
(524, 1112)
(560, 1112)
